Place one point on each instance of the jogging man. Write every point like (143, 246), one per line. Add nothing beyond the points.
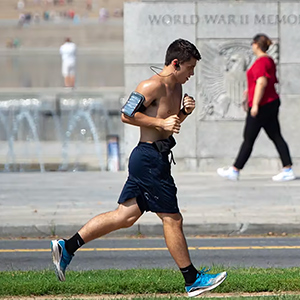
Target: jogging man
(150, 186)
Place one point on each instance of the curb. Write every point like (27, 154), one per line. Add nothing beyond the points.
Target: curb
(153, 230)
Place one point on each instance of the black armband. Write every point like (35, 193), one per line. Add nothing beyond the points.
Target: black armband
(142, 108)
(184, 112)
(133, 104)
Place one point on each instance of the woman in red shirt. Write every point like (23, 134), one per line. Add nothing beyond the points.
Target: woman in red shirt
(262, 112)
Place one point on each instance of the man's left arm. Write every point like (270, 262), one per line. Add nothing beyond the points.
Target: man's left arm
(187, 108)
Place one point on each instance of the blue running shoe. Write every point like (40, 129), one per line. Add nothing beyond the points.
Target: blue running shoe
(205, 282)
(61, 258)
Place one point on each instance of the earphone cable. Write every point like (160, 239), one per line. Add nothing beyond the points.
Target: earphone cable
(152, 68)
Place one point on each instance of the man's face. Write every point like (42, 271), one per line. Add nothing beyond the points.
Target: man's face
(186, 70)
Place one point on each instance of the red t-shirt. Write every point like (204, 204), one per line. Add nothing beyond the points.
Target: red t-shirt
(263, 66)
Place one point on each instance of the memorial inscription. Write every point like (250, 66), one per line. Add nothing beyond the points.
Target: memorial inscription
(233, 20)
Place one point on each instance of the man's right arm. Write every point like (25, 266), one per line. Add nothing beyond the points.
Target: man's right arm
(142, 120)
(171, 123)
(150, 90)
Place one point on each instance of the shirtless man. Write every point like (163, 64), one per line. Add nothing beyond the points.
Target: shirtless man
(150, 186)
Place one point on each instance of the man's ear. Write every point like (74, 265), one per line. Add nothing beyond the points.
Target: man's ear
(176, 64)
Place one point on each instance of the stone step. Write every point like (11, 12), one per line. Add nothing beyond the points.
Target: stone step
(8, 8)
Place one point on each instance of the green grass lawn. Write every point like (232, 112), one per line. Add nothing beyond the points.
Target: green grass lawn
(282, 297)
(143, 282)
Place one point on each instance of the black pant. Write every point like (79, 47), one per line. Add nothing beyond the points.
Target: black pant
(267, 118)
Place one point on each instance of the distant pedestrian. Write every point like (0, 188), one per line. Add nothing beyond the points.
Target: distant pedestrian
(103, 14)
(262, 112)
(21, 20)
(20, 5)
(89, 4)
(68, 53)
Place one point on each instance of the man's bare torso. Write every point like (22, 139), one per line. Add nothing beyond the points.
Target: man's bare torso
(166, 102)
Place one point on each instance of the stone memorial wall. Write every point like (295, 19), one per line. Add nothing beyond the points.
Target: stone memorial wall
(222, 31)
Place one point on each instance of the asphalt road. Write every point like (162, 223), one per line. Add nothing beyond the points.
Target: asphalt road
(152, 253)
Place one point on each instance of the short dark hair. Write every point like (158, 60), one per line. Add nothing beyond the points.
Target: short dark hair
(182, 50)
(262, 41)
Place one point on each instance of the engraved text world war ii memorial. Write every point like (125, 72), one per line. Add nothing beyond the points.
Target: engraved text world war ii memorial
(222, 31)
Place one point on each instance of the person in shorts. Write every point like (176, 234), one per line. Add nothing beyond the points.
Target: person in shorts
(68, 56)
(150, 185)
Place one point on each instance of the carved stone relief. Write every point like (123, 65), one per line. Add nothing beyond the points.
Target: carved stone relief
(222, 78)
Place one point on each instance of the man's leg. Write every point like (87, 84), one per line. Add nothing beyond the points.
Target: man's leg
(124, 216)
(65, 73)
(175, 239)
(72, 81)
(72, 75)
(195, 282)
(66, 81)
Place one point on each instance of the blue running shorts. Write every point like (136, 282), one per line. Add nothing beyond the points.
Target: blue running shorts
(150, 180)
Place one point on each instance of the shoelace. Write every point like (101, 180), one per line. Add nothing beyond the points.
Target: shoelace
(204, 271)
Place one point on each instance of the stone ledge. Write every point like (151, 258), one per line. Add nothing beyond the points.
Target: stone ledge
(154, 230)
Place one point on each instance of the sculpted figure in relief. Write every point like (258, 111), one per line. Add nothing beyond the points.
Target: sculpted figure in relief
(222, 78)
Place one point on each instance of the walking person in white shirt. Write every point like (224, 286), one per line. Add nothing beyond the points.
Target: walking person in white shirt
(68, 55)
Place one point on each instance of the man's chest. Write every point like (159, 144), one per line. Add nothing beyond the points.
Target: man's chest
(170, 104)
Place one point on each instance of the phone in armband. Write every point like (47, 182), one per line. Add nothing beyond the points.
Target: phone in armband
(133, 104)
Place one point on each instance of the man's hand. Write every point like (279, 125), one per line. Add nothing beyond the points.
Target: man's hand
(172, 124)
(188, 103)
(254, 111)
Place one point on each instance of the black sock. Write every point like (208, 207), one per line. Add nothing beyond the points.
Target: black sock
(74, 243)
(190, 274)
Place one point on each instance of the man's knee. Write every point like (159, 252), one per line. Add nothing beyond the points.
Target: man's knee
(128, 213)
(172, 219)
(127, 221)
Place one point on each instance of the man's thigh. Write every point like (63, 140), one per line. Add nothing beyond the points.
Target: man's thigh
(170, 216)
(129, 208)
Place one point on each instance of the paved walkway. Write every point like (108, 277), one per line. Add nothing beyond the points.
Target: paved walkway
(40, 205)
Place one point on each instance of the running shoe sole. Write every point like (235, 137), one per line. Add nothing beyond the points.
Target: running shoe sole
(232, 178)
(285, 179)
(56, 257)
(202, 290)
